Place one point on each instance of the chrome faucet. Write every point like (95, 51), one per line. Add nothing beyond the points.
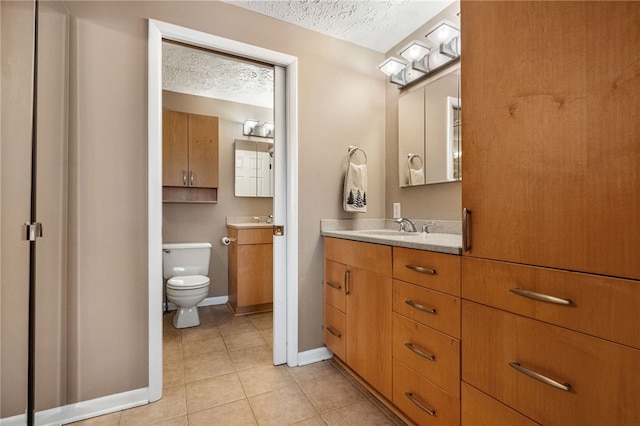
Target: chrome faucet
(425, 227)
(406, 223)
(270, 218)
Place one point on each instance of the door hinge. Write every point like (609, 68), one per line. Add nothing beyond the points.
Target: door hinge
(33, 231)
(278, 230)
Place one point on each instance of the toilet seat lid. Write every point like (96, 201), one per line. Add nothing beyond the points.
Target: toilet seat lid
(188, 282)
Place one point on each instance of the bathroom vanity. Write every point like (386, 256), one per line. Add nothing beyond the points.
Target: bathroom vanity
(392, 317)
(250, 267)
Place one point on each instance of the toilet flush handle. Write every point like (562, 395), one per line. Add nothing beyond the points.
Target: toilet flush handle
(166, 251)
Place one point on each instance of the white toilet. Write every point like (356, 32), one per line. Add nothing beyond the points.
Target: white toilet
(185, 267)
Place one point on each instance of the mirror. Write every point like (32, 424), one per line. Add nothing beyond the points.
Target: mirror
(429, 138)
(254, 168)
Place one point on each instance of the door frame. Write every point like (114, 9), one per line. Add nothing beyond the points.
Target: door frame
(285, 303)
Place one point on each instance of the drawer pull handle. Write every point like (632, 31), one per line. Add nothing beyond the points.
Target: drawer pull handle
(334, 285)
(544, 379)
(420, 307)
(419, 351)
(421, 269)
(334, 331)
(347, 282)
(540, 296)
(466, 229)
(419, 404)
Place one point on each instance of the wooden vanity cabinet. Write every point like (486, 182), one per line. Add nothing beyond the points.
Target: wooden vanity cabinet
(189, 157)
(551, 274)
(360, 333)
(250, 270)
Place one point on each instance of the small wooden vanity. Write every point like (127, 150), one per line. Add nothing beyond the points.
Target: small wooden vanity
(250, 268)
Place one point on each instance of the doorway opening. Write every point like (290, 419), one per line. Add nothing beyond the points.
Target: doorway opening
(285, 295)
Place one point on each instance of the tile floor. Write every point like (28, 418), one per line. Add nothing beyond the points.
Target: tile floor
(221, 373)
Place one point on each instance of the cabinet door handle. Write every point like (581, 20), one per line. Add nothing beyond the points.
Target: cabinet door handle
(420, 307)
(334, 331)
(347, 282)
(540, 296)
(419, 404)
(184, 177)
(419, 351)
(191, 177)
(421, 269)
(544, 379)
(334, 285)
(466, 234)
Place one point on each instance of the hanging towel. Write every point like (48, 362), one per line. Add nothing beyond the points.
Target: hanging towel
(416, 176)
(355, 188)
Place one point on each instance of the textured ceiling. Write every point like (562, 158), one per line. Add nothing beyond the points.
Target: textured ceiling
(375, 24)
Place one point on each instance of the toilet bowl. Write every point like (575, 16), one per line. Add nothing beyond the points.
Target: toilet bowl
(185, 266)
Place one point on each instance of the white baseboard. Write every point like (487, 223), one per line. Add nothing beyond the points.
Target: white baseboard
(209, 301)
(83, 410)
(314, 355)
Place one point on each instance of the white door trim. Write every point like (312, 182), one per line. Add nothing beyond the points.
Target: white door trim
(285, 290)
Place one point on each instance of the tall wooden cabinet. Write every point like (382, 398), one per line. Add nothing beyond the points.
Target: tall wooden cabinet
(551, 155)
(189, 157)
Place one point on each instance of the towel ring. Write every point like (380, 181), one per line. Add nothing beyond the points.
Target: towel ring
(410, 158)
(353, 149)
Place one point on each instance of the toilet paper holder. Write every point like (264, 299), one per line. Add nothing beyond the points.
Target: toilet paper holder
(227, 240)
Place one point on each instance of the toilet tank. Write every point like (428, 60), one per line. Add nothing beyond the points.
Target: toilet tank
(180, 259)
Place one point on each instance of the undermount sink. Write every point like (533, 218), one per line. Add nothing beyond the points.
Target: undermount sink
(387, 232)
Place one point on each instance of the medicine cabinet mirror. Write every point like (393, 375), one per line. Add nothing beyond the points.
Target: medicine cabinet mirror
(254, 168)
(429, 138)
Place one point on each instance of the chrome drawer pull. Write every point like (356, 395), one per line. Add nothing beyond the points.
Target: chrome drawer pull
(544, 379)
(419, 404)
(420, 352)
(421, 269)
(540, 296)
(420, 307)
(334, 285)
(334, 331)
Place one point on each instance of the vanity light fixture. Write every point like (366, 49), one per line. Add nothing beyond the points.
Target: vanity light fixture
(255, 128)
(423, 61)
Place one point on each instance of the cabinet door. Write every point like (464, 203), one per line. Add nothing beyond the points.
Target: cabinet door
(175, 141)
(551, 133)
(255, 274)
(203, 151)
(369, 328)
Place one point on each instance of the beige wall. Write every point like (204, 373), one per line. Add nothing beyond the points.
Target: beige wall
(341, 102)
(206, 222)
(441, 201)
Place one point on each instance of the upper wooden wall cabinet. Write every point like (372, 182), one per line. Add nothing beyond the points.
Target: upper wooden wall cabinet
(189, 157)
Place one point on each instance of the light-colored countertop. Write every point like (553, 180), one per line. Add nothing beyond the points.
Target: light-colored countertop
(443, 238)
(249, 225)
(248, 222)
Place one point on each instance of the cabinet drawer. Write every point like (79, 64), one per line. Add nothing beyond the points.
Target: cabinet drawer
(334, 328)
(334, 284)
(479, 409)
(436, 271)
(601, 306)
(375, 258)
(251, 235)
(426, 396)
(432, 308)
(603, 377)
(428, 352)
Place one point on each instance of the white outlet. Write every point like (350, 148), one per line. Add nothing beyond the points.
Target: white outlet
(396, 211)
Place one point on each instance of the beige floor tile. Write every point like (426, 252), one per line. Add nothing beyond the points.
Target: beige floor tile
(205, 346)
(212, 392)
(202, 332)
(173, 404)
(267, 335)
(312, 371)
(360, 413)
(262, 321)
(330, 392)
(112, 419)
(235, 325)
(265, 378)
(244, 340)
(313, 421)
(236, 413)
(282, 407)
(176, 421)
(251, 357)
(204, 366)
(173, 374)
